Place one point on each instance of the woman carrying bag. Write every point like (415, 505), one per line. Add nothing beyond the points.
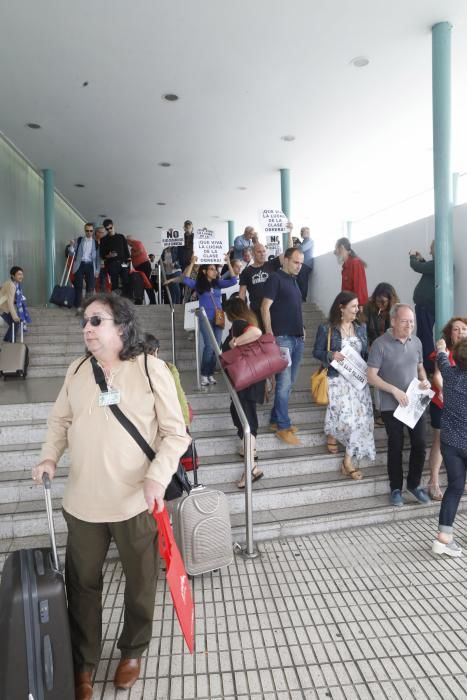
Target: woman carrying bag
(208, 286)
(245, 330)
(349, 416)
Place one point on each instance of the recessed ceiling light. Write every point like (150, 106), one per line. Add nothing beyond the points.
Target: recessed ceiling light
(214, 216)
(33, 125)
(170, 97)
(79, 184)
(241, 188)
(164, 164)
(161, 204)
(103, 216)
(360, 61)
(159, 227)
(288, 137)
(85, 84)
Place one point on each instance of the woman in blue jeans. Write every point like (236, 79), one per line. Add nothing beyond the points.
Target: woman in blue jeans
(208, 286)
(453, 441)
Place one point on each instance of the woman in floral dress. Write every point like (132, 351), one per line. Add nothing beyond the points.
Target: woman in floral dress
(349, 416)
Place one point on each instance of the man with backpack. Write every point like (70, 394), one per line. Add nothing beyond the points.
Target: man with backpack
(86, 265)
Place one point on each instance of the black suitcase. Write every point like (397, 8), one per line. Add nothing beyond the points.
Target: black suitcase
(36, 661)
(62, 294)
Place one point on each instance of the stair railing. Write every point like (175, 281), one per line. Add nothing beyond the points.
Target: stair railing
(162, 278)
(249, 551)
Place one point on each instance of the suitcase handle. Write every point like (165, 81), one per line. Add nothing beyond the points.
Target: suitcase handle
(50, 520)
(21, 327)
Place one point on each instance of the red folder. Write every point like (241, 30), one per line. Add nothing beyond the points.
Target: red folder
(176, 577)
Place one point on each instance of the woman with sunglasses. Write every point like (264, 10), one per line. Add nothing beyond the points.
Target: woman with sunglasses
(112, 488)
(208, 286)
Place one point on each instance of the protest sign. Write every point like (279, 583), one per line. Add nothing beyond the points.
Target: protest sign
(353, 368)
(172, 237)
(419, 399)
(274, 244)
(210, 247)
(273, 222)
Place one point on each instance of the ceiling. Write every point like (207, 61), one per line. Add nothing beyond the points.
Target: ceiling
(247, 73)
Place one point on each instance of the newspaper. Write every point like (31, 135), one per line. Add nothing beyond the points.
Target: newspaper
(418, 401)
(353, 368)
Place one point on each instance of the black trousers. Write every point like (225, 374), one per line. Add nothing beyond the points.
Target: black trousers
(85, 271)
(115, 270)
(395, 433)
(146, 268)
(303, 279)
(250, 412)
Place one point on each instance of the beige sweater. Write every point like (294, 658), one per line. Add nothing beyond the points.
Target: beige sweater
(107, 467)
(7, 299)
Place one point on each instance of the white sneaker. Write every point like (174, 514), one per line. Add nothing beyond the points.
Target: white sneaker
(204, 380)
(452, 549)
(211, 379)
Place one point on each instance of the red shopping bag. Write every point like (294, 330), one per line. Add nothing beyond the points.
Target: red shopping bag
(176, 577)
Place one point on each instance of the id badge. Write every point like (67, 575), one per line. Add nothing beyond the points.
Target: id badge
(109, 398)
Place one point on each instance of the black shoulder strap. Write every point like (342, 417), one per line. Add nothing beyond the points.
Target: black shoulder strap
(118, 413)
(81, 363)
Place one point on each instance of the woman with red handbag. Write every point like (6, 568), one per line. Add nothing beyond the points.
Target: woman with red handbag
(209, 287)
(245, 330)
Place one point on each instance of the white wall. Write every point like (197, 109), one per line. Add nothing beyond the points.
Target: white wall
(387, 257)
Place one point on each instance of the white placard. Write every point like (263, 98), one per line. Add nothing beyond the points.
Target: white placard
(274, 244)
(353, 367)
(273, 222)
(172, 237)
(210, 247)
(189, 319)
(419, 399)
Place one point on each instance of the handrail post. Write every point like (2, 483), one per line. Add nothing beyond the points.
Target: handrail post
(172, 308)
(249, 552)
(159, 280)
(198, 373)
(172, 320)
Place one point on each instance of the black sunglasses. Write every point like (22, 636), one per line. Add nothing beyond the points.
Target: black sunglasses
(107, 228)
(94, 320)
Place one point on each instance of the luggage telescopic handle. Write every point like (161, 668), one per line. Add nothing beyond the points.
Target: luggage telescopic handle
(50, 520)
(21, 326)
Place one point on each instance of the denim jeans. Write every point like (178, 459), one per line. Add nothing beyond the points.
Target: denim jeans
(285, 380)
(455, 460)
(208, 359)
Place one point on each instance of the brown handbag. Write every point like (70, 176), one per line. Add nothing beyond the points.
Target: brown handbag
(319, 381)
(219, 315)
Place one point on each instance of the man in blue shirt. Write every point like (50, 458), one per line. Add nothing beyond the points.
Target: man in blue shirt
(246, 240)
(281, 310)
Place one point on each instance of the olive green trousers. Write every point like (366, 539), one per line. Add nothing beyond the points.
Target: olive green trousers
(86, 550)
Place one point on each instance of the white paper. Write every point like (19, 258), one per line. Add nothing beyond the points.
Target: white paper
(285, 352)
(353, 368)
(273, 222)
(274, 244)
(172, 237)
(419, 399)
(210, 247)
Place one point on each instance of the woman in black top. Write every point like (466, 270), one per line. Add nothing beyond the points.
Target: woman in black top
(245, 330)
(376, 311)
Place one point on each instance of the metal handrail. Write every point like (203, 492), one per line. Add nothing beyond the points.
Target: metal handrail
(249, 552)
(161, 274)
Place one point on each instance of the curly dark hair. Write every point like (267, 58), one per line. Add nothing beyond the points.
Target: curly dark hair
(447, 330)
(342, 299)
(123, 313)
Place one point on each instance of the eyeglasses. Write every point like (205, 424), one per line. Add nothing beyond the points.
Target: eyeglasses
(94, 321)
(89, 230)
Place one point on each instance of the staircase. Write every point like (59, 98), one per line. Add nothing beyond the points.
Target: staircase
(302, 491)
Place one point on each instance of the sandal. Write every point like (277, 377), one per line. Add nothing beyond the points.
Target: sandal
(435, 493)
(354, 474)
(379, 422)
(332, 445)
(256, 474)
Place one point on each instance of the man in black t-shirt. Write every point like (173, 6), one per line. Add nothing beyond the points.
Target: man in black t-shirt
(255, 276)
(115, 253)
(281, 310)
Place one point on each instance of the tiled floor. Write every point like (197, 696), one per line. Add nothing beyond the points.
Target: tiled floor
(364, 614)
